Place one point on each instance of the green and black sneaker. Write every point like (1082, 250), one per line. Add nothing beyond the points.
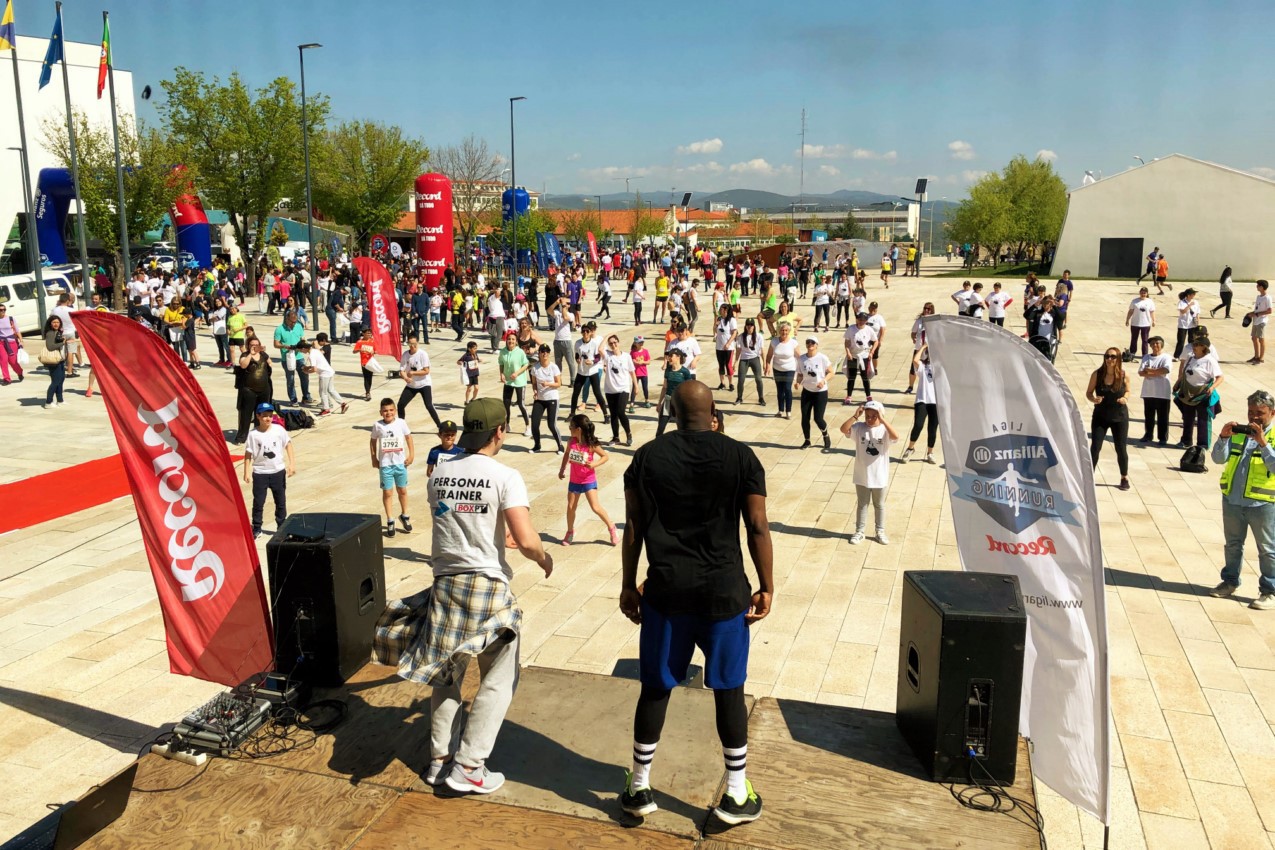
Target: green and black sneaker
(639, 803)
(735, 812)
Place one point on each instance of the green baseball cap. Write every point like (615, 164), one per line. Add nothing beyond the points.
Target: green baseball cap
(481, 418)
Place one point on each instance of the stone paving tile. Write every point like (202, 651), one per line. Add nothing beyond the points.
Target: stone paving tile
(833, 636)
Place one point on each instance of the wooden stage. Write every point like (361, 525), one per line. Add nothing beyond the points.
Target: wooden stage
(829, 777)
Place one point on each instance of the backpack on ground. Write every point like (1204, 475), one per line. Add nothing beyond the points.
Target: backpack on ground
(294, 418)
(1128, 356)
(1193, 460)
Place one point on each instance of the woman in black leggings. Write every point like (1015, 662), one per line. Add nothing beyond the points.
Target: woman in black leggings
(618, 378)
(1109, 392)
(925, 411)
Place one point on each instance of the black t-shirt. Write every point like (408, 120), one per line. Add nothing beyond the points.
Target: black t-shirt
(693, 487)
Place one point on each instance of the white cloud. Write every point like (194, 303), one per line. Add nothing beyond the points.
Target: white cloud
(710, 167)
(573, 157)
(1262, 171)
(829, 170)
(611, 172)
(1046, 154)
(972, 175)
(702, 146)
(753, 166)
(843, 152)
(961, 150)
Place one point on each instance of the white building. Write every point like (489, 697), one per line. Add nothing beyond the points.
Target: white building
(1202, 216)
(41, 104)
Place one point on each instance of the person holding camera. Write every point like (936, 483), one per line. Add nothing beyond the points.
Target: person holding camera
(1248, 497)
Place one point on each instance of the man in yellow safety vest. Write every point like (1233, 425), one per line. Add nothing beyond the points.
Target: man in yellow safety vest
(1248, 496)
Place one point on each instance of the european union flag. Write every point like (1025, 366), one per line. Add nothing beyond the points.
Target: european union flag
(54, 53)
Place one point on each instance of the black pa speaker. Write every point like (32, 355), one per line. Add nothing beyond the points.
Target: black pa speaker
(327, 589)
(961, 672)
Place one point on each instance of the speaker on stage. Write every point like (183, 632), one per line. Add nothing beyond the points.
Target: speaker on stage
(327, 589)
(961, 672)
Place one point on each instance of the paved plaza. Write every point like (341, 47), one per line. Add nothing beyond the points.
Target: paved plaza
(84, 680)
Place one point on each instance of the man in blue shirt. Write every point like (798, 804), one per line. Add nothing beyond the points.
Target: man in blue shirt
(1248, 497)
(286, 338)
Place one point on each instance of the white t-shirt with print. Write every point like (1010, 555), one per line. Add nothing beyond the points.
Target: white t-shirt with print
(859, 340)
(1263, 302)
(1200, 370)
(617, 376)
(812, 371)
(414, 362)
(925, 384)
(996, 302)
(1187, 320)
(468, 497)
(871, 455)
(391, 441)
(267, 449)
(588, 354)
(690, 348)
(543, 377)
(722, 331)
(1143, 310)
(1161, 386)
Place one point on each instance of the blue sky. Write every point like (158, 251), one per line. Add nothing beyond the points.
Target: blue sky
(708, 96)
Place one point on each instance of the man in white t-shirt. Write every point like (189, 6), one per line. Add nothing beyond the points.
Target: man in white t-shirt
(481, 510)
(267, 464)
(414, 369)
(1261, 313)
(873, 438)
(393, 451)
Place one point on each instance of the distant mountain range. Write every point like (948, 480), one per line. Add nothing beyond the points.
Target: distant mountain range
(754, 200)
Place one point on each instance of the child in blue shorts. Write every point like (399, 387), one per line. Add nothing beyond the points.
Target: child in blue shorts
(392, 453)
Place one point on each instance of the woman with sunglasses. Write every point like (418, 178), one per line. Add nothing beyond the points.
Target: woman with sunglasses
(1109, 392)
(813, 369)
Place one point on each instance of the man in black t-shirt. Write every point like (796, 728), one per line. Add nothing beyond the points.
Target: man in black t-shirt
(685, 495)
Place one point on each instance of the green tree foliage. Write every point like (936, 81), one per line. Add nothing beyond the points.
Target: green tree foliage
(473, 169)
(1021, 208)
(360, 170)
(149, 185)
(278, 234)
(578, 224)
(849, 228)
(647, 224)
(243, 147)
(529, 224)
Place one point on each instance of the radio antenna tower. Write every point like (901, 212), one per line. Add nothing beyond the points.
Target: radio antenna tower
(801, 191)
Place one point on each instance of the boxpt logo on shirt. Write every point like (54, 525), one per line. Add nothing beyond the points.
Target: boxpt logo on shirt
(1009, 481)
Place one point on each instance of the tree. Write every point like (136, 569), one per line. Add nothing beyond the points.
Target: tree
(359, 170)
(243, 147)
(472, 168)
(529, 224)
(578, 224)
(278, 234)
(850, 228)
(646, 224)
(149, 186)
(1022, 207)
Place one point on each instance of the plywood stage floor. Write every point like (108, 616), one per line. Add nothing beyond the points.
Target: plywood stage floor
(829, 777)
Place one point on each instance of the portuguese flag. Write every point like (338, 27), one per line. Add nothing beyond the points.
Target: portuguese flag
(105, 62)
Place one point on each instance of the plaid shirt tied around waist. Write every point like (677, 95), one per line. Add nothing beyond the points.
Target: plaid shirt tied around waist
(430, 636)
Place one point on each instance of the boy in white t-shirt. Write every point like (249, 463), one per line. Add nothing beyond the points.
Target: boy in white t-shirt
(267, 464)
(392, 453)
(317, 364)
(873, 438)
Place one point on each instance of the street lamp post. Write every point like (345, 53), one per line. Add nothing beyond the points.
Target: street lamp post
(513, 185)
(309, 203)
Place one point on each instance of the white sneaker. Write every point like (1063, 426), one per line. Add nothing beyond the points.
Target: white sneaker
(438, 771)
(881, 538)
(856, 538)
(480, 780)
(50, 405)
(907, 455)
(1265, 602)
(527, 432)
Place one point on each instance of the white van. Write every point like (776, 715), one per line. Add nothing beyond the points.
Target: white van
(18, 293)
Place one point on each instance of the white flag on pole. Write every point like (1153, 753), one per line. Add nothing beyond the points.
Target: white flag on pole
(1022, 491)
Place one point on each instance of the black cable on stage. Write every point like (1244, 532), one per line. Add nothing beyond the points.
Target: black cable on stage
(995, 797)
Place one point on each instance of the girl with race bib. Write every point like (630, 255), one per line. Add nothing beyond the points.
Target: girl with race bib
(584, 455)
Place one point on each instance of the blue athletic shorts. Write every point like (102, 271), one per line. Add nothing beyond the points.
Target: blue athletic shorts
(666, 644)
(572, 487)
(393, 476)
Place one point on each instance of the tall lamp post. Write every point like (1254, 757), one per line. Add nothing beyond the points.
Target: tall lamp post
(513, 185)
(33, 239)
(309, 203)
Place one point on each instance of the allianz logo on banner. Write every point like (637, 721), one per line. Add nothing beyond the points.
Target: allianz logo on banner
(1008, 478)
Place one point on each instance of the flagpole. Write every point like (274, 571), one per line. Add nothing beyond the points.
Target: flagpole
(119, 170)
(33, 235)
(75, 167)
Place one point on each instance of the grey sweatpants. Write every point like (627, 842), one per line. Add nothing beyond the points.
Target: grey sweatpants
(329, 398)
(877, 496)
(477, 730)
(563, 350)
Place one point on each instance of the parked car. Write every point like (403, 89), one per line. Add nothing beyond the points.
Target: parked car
(18, 293)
